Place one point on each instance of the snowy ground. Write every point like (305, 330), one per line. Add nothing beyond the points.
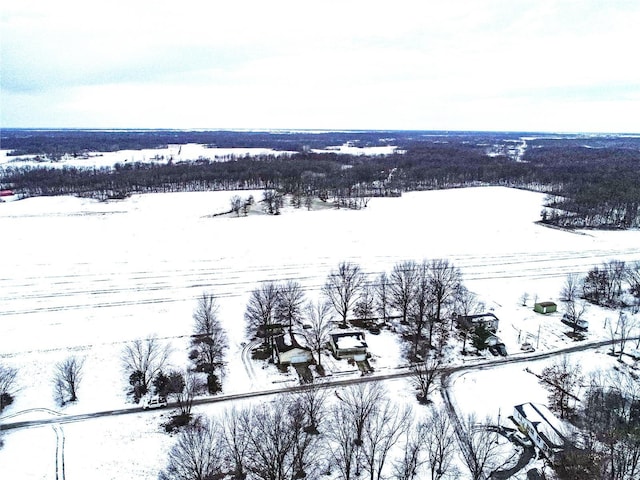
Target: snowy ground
(85, 277)
(174, 153)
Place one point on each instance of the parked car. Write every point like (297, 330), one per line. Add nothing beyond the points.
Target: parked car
(493, 350)
(502, 350)
(154, 402)
(581, 325)
(527, 347)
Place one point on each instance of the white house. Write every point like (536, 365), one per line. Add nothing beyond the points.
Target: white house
(544, 429)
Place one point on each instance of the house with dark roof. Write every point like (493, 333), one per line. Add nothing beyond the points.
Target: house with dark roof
(348, 344)
(487, 320)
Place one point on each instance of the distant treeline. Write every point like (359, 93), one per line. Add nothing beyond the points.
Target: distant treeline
(591, 181)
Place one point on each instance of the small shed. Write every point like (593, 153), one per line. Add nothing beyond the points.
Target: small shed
(545, 307)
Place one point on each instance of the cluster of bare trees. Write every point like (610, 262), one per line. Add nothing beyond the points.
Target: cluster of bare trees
(422, 296)
(145, 361)
(316, 432)
(608, 443)
(274, 308)
(611, 284)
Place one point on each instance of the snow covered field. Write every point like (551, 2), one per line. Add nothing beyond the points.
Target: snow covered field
(173, 153)
(85, 277)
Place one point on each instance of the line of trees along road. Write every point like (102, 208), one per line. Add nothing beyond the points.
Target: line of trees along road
(355, 432)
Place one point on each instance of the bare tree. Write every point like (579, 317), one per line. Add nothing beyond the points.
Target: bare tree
(420, 308)
(342, 287)
(306, 453)
(571, 288)
(318, 325)
(272, 201)
(290, 304)
(482, 454)
(561, 379)
(67, 375)
(364, 308)
(633, 278)
(142, 360)
(466, 303)
(209, 341)
(383, 296)
(382, 431)
(361, 402)
(575, 312)
(198, 454)
(621, 331)
(8, 376)
(409, 465)
(236, 204)
(423, 376)
(402, 285)
(440, 445)
(236, 433)
(271, 442)
(185, 386)
(524, 298)
(444, 280)
(260, 311)
(312, 400)
(342, 442)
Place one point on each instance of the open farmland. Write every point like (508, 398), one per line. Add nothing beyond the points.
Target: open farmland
(85, 277)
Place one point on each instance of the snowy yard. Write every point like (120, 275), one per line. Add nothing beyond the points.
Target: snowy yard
(85, 277)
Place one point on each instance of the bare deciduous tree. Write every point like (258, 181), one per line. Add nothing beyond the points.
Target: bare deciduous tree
(271, 443)
(209, 340)
(383, 296)
(236, 204)
(342, 443)
(360, 402)
(444, 280)
(423, 375)
(402, 285)
(571, 288)
(382, 431)
(342, 287)
(364, 308)
(198, 454)
(620, 331)
(312, 400)
(440, 445)
(236, 432)
(8, 376)
(561, 379)
(67, 375)
(408, 465)
(290, 304)
(318, 321)
(482, 454)
(260, 311)
(185, 387)
(465, 303)
(144, 359)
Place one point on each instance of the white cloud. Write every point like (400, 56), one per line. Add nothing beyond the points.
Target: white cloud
(294, 64)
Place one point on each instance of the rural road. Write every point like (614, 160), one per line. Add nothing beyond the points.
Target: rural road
(402, 372)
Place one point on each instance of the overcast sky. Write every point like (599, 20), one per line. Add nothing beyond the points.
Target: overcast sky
(543, 65)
